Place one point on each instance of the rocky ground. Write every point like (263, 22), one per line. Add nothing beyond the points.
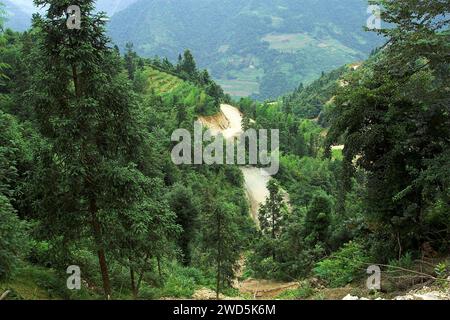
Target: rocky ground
(425, 293)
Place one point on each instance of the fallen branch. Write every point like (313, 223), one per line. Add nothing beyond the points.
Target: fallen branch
(3, 296)
(424, 275)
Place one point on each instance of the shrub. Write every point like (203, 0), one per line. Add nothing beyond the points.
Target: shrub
(40, 253)
(149, 293)
(13, 239)
(344, 266)
(406, 262)
(441, 270)
(181, 282)
(303, 292)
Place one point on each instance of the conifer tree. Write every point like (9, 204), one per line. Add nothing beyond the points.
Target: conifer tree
(94, 167)
(221, 237)
(271, 214)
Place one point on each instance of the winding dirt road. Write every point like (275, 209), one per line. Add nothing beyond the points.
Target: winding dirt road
(229, 123)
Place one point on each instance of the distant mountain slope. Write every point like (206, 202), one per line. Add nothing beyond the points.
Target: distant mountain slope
(251, 46)
(16, 18)
(113, 6)
(109, 6)
(308, 102)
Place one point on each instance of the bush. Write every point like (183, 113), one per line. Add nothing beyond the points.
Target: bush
(149, 293)
(406, 262)
(303, 292)
(13, 239)
(442, 270)
(181, 282)
(40, 253)
(344, 266)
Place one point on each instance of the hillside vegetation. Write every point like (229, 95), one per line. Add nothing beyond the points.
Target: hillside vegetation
(87, 178)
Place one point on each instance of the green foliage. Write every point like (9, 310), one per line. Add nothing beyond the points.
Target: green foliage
(179, 282)
(272, 211)
(93, 128)
(96, 159)
(406, 261)
(261, 263)
(13, 231)
(183, 282)
(344, 266)
(317, 219)
(442, 271)
(187, 65)
(187, 206)
(297, 136)
(39, 253)
(309, 102)
(32, 282)
(179, 93)
(394, 123)
(303, 292)
(13, 240)
(222, 238)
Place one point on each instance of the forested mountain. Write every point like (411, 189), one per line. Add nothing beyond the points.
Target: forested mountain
(284, 42)
(88, 180)
(310, 101)
(250, 47)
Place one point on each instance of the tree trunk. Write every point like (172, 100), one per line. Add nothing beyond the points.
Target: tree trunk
(76, 82)
(158, 259)
(4, 295)
(133, 283)
(273, 235)
(219, 253)
(100, 250)
(141, 275)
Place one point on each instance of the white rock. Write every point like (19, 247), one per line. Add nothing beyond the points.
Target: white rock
(430, 296)
(350, 297)
(408, 297)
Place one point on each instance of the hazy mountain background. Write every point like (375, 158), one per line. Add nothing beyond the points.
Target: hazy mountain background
(19, 12)
(263, 48)
(251, 46)
(17, 15)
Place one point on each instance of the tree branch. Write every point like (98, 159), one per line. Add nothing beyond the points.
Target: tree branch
(4, 295)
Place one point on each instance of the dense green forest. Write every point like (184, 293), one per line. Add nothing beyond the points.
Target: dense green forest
(87, 179)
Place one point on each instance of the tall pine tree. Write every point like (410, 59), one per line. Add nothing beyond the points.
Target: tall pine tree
(91, 169)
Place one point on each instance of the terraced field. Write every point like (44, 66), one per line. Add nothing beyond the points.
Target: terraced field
(168, 86)
(163, 83)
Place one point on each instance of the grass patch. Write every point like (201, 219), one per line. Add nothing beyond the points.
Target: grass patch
(288, 42)
(337, 154)
(178, 282)
(32, 282)
(303, 292)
